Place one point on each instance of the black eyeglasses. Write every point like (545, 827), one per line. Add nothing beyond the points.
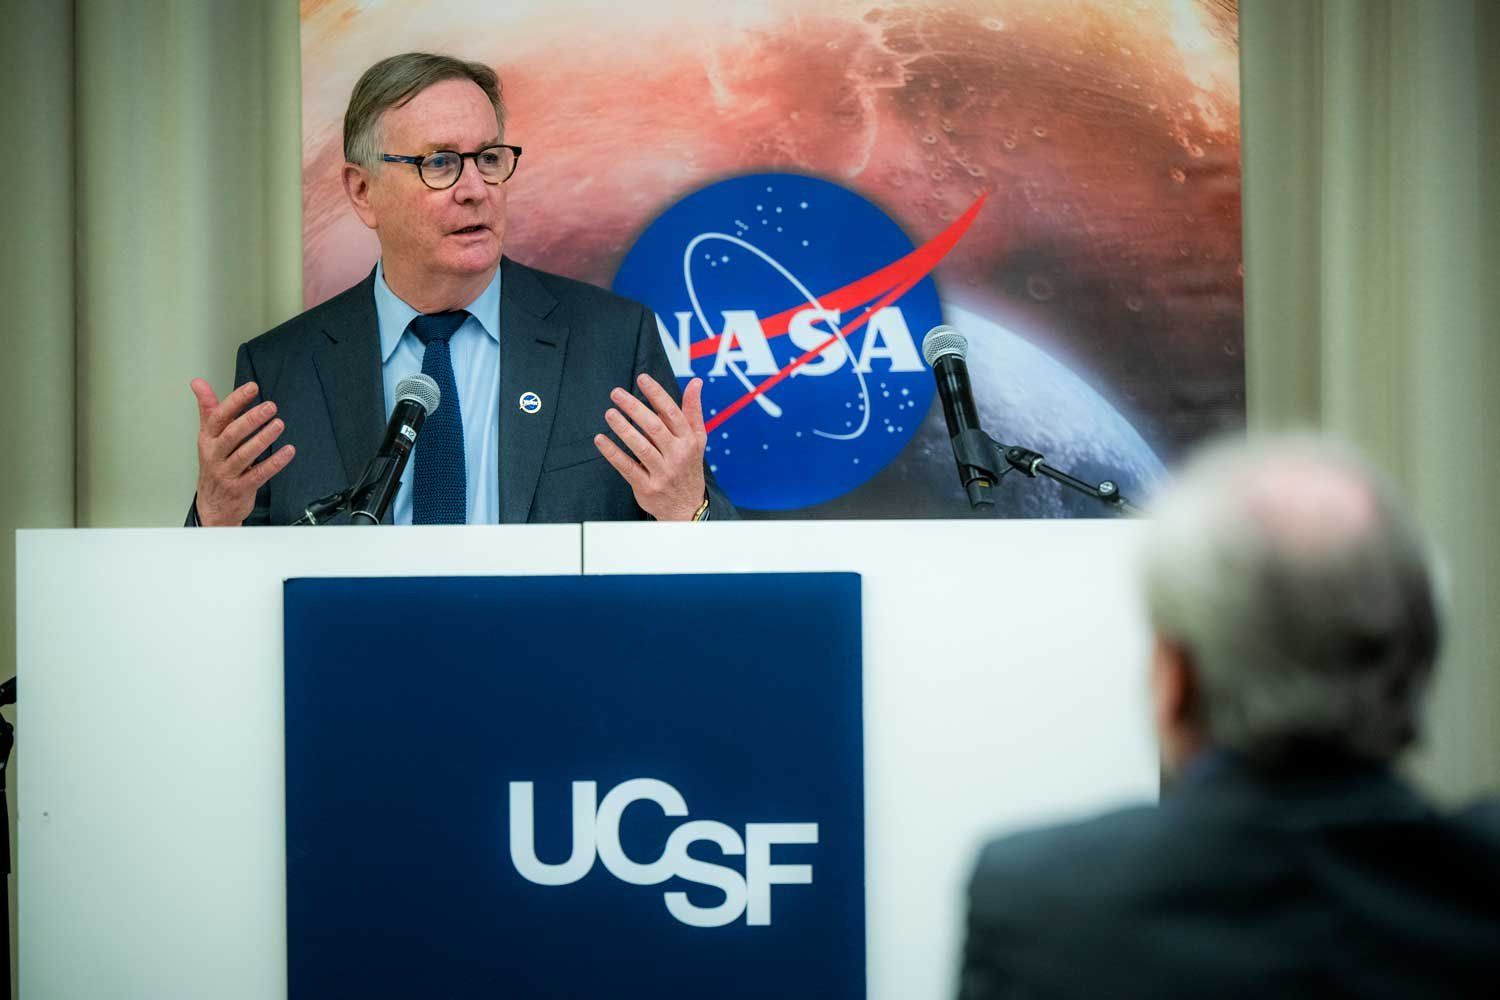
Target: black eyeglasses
(441, 169)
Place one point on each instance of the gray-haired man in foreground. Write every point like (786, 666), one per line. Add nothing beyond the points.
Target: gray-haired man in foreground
(1296, 631)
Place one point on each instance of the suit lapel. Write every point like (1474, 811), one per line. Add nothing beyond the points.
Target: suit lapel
(348, 364)
(531, 360)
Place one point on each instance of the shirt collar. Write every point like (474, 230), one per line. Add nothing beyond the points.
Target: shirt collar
(394, 315)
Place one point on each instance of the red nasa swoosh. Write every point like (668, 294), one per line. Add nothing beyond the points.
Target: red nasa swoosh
(886, 286)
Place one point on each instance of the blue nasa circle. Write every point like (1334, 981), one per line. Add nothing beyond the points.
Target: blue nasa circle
(735, 254)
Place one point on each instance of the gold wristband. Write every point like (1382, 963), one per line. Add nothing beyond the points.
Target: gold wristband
(702, 510)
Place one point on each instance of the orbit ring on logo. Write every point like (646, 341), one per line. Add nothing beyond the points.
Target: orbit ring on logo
(530, 402)
(801, 306)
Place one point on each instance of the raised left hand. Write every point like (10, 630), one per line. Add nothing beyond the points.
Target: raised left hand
(667, 441)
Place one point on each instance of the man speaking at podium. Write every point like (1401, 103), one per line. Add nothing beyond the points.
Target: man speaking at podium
(531, 367)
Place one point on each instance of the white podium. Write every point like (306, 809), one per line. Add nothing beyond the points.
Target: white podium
(1004, 685)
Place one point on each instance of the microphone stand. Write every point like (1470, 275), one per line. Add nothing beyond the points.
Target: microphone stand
(355, 498)
(977, 450)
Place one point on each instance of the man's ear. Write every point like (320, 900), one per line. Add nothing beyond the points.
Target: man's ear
(1174, 696)
(357, 187)
(1171, 681)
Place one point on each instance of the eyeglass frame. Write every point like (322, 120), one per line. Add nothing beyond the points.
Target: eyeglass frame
(417, 162)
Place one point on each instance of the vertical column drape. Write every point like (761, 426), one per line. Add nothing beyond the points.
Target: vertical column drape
(1452, 355)
(188, 194)
(1371, 225)
(36, 285)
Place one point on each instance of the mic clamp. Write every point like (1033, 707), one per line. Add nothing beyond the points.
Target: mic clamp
(362, 495)
(975, 450)
(325, 509)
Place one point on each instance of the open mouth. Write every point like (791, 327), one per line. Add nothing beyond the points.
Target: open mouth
(470, 230)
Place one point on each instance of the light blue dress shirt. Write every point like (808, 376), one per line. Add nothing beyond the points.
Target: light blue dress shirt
(475, 349)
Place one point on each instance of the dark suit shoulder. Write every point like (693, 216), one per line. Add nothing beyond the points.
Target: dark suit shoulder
(577, 295)
(1241, 889)
(332, 314)
(1047, 906)
(1077, 860)
(1482, 818)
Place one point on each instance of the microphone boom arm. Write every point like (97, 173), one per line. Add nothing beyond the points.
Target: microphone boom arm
(977, 450)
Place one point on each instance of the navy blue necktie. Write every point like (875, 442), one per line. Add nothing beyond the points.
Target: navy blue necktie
(440, 494)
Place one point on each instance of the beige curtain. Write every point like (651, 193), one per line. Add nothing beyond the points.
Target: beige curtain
(150, 221)
(1372, 273)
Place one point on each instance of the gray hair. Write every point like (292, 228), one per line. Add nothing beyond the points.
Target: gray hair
(1301, 590)
(395, 80)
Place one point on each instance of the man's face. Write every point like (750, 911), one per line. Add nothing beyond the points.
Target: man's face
(456, 232)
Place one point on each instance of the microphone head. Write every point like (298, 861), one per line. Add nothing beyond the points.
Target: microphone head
(943, 341)
(420, 389)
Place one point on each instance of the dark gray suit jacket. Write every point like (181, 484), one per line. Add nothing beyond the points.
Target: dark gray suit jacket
(567, 341)
(1339, 885)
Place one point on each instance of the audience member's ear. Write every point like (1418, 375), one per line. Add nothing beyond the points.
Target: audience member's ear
(1174, 693)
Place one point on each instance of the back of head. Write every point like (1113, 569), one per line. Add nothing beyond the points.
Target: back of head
(1300, 590)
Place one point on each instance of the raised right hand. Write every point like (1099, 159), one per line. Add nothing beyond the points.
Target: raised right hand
(228, 443)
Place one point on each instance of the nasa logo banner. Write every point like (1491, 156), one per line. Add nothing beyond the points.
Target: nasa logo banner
(1099, 282)
(574, 786)
(802, 306)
